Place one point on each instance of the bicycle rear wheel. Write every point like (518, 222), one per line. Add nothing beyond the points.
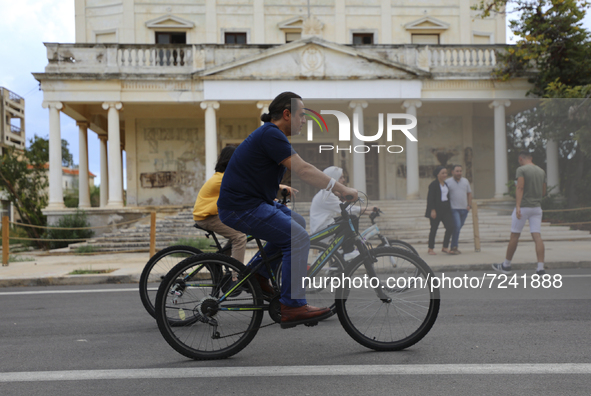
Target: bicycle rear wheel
(157, 267)
(396, 310)
(202, 319)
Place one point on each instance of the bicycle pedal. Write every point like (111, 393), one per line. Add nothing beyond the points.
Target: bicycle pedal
(311, 324)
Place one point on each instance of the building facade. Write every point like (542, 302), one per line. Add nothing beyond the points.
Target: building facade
(172, 83)
(12, 134)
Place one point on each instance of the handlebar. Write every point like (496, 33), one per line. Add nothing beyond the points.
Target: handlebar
(284, 194)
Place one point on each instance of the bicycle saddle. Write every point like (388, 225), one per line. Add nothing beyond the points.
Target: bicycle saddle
(201, 228)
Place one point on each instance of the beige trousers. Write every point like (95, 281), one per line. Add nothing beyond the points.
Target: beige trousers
(238, 239)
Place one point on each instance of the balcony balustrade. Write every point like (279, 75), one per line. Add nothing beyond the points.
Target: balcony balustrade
(185, 59)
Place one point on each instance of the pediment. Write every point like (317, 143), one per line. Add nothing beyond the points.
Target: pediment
(170, 22)
(311, 58)
(292, 23)
(427, 23)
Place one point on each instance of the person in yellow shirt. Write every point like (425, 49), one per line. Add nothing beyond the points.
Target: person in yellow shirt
(205, 212)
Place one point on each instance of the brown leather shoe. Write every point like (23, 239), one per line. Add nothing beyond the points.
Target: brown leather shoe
(265, 285)
(307, 314)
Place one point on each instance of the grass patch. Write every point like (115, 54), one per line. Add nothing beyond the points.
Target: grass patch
(85, 249)
(90, 271)
(199, 243)
(19, 259)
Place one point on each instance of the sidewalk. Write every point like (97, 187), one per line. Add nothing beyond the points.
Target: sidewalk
(46, 270)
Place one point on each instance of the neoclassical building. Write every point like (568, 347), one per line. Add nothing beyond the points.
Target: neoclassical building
(171, 83)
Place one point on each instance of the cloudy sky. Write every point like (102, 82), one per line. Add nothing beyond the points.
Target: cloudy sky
(26, 25)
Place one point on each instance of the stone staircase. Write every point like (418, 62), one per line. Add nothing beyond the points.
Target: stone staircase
(169, 229)
(405, 220)
(401, 220)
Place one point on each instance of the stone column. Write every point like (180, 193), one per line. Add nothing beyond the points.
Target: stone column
(552, 170)
(115, 167)
(386, 33)
(412, 153)
(465, 22)
(211, 25)
(501, 167)
(340, 22)
(83, 184)
(258, 33)
(211, 144)
(121, 148)
(56, 195)
(358, 158)
(264, 106)
(104, 172)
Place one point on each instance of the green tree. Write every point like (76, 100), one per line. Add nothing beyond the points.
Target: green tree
(552, 44)
(40, 146)
(553, 51)
(23, 179)
(95, 196)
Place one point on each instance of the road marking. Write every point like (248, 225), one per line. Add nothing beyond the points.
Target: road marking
(291, 371)
(66, 291)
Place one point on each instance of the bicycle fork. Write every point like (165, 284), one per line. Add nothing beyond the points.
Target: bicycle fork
(368, 262)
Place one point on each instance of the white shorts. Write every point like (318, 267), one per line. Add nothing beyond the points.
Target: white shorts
(534, 215)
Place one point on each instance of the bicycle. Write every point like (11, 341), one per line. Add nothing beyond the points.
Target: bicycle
(374, 230)
(333, 268)
(164, 260)
(203, 314)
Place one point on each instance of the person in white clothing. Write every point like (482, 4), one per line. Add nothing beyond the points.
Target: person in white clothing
(325, 206)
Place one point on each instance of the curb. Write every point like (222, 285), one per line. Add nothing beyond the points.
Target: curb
(515, 267)
(69, 280)
(73, 280)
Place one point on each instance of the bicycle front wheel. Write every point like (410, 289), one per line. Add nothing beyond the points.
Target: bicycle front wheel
(157, 268)
(388, 308)
(202, 312)
(401, 244)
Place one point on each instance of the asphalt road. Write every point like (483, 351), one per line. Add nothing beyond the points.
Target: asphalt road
(98, 340)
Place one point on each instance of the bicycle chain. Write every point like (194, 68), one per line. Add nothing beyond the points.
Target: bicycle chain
(242, 332)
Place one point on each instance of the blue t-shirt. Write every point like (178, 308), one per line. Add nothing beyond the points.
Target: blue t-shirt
(255, 171)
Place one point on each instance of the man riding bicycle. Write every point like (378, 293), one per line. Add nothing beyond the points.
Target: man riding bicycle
(246, 202)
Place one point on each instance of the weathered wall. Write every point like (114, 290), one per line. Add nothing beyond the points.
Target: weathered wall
(484, 157)
(170, 161)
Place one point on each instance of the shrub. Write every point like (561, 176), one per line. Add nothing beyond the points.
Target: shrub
(76, 220)
(85, 249)
(199, 243)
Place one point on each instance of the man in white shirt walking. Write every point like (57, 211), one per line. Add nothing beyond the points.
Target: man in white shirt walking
(460, 197)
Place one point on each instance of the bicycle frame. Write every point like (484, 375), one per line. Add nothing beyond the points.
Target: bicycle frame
(343, 231)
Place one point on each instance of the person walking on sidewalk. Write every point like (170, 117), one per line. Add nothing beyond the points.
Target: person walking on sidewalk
(531, 187)
(460, 197)
(439, 210)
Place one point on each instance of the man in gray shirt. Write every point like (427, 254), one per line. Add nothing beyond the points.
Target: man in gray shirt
(460, 197)
(531, 187)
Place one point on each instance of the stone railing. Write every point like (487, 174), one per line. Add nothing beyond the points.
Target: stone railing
(452, 56)
(155, 56)
(186, 59)
(120, 58)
